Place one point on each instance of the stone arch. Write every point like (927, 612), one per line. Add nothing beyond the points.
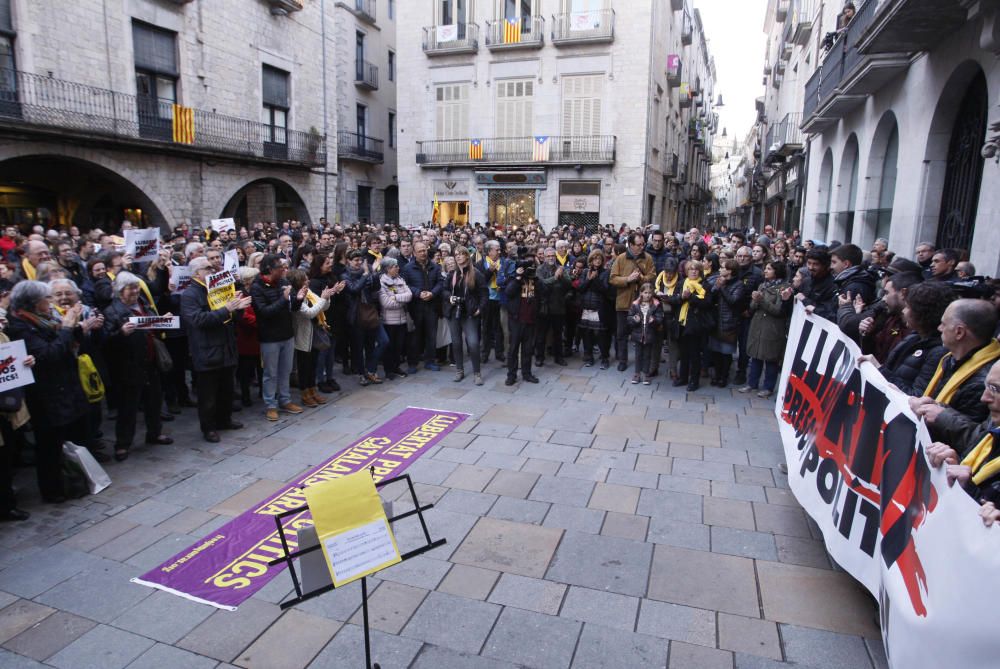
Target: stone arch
(846, 192)
(80, 181)
(880, 174)
(266, 199)
(824, 194)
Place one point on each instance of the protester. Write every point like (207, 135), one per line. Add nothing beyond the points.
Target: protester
(629, 271)
(273, 305)
(597, 309)
(770, 305)
(696, 321)
(464, 297)
(395, 297)
(645, 319)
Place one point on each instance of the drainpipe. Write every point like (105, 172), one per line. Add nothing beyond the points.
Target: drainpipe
(326, 162)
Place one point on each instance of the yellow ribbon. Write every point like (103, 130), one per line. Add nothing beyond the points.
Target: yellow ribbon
(982, 468)
(984, 356)
(313, 298)
(29, 269)
(491, 264)
(695, 288)
(665, 285)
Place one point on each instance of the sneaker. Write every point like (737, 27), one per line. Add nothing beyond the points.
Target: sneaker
(333, 386)
(635, 379)
(588, 363)
(693, 386)
(478, 379)
(764, 394)
(291, 407)
(459, 375)
(400, 373)
(271, 415)
(745, 389)
(432, 367)
(363, 380)
(646, 381)
(605, 364)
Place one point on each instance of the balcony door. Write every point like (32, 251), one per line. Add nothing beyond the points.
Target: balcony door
(10, 105)
(156, 75)
(275, 112)
(964, 175)
(456, 13)
(521, 11)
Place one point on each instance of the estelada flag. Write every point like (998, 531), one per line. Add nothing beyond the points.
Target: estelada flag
(475, 149)
(540, 148)
(511, 31)
(183, 124)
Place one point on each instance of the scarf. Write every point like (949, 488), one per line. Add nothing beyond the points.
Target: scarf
(665, 285)
(42, 321)
(29, 269)
(562, 259)
(491, 264)
(695, 288)
(984, 467)
(312, 298)
(984, 356)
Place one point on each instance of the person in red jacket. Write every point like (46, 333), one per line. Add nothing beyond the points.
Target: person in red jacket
(247, 345)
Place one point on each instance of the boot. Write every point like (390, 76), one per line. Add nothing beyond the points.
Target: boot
(307, 399)
(319, 399)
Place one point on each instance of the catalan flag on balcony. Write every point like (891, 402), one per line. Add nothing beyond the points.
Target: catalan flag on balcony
(183, 124)
(540, 148)
(475, 149)
(511, 31)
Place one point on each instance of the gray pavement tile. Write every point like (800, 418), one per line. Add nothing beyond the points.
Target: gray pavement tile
(159, 552)
(674, 621)
(569, 438)
(150, 512)
(186, 521)
(700, 469)
(459, 455)
(634, 478)
(512, 484)
(688, 656)
(9, 660)
(21, 615)
(435, 657)
(550, 451)
(806, 552)
(574, 518)
(205, 489)
(784, 520)
(876, 649)
(670, 532)
(562, 490)
(420, 572)
(542, 467)
(685, 485)
(99, 534)
(100, 593)
(643, 447)
(164, 617)
(749, 635)
(453, 622)
(161, 656)
(733, 456)
(428, 470)
(751, 475)
(705, 580)
(601, 608)
(493, 429)
(48, 636)
(102, 647)
(464, 501)
(391, 606)
(744, 543)
(539, 434)
(498, 445)
(502, 461)
(740, 491)
(6, 599)
(519, 510)
(225, 633)
(128, 544)
(575, 470)
(657, 464)
(728, 513)
(290, 643)
(469, 477)
(516, 548)
(824, 650)
(600, 562)
(609, 459)
(625, 526)
(667, 504)
(602, 646)
(532, 594)
(340, 604)
(469, 582)
(533, 639)
(347, 649)
(33, 575)
(441, 524)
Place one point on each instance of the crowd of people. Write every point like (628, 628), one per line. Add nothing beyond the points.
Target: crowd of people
(318, 307)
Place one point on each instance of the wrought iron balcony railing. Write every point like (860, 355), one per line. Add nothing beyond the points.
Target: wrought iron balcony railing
(528, 32)
(366, 75)
(29, 102)
(590, 26)
(352, 145)
(365, 9)
(593, 149)
(451, 39)
(783, 139)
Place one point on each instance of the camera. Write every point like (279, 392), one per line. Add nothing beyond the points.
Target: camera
(455, 299)
(459, 304)
(528, 266)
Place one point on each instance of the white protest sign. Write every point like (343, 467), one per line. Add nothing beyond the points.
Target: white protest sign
(156, 322)
(223, 224)
(231, 261)
(13, 373)
(143, 245)
(447, 33)
(180, 275)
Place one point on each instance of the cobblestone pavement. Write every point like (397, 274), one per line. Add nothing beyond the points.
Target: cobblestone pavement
(590, 523)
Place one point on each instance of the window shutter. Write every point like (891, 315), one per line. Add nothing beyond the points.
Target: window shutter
(452, 113)
(582, 104)
(275, 87)
(155, 49)
(514, 109)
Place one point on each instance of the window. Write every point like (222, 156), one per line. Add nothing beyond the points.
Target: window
(453, 11)
(581, 104)
(514, 108)
(392, 9)
(392, 129)
(156, 75)
(8, 81)
(392, 66)
(517, 9)
(274, 113)
(362, 120)
(452, 111)
(359, 56)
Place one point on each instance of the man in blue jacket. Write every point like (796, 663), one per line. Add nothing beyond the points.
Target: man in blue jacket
(425, 282)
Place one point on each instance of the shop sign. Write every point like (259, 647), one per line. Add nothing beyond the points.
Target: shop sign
(580, 203)
(451, 189)
(517, 179)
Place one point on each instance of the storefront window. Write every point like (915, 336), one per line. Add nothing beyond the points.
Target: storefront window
(512, 207)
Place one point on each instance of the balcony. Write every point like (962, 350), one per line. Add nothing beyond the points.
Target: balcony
(684, 95)
(366, 75)
(352, 146)
(687, 29)
(452, 39)
(365, 10)
(65, 110)
(783, 139)
(781, 11)
(278, 7)
(847, 76)
(525, 33)
(676, 5)
(675, 70)
(912, 26)
(583, 27)
(670, 165)
(519, 151)
(803, 14)
(767, 70)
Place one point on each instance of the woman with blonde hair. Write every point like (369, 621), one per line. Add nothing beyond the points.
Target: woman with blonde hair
(465, 296)
(310, 315)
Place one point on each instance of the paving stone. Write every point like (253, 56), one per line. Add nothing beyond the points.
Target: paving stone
(688, 656)
(684, 484)
(512, 484)
(532, 594)
(347, 649)
(435, 657)
(33, 575)
(493, 425)
(290, 643)
(562, 490)
(749, 635)
(733, 456)
(48, 636)
(500, 445)
(626, 426)
(687, 433)
(817, 598)
(705, 580)
(611, 497)
(391, 607)
(441, 524)
(501, 461)
(340, 604)
(186, 521)
(102, 647)
(461, 456)
(634, 479)
(161, 656)
(525, 431)
(741, 491)
(519, 510)
(674, 621)
(543, 467)
(469, 477)
(700, 469)
(575, 470)
(430, 471)
(548, 451)
(128, 544)
(601, 608)
(463, 501)
(745, 543)
(163, 617)
(687, 451)
(6, 599)
(728, 513)
(602, 646)
(656, 464)
(515, 548)
(610, 442)
(754, 475)
(625, 526)
(99, 534)
(568, 438)
(670, 532)
(667, 504)
(161, 551)
(9, 660)
(600, 562)
(225, 633)
(805, 552)
(20, 616)
(100, 593)
(150, 512)
(825, 650)
(574, 518)
(781, 497)
(532, 639)
(777, 519)
(207, 489)
(469, 582)
(610, 459)
(453, 622)
(420, 572)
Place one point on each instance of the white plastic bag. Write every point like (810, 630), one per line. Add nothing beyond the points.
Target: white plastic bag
(443, 333)
(97, 478)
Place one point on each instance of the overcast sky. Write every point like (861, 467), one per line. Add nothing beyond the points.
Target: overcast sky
(735, 32)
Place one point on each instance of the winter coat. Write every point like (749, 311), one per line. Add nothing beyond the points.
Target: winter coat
(247, 343)
(554, 291)
(621, 268)
(394, 295)
(912, 362)
(97, 293)
(967, 398)
(302, 323)
(769, 326)
(130, 357)
(515, 290)
(671, 303)
(474, 299)
(360, 287)
(730, 301)
(701, 314)
(856, 281)
(643, 330)
(822, 296)
(211, 334)
(273, 310)
(596, 295)
(422, 278)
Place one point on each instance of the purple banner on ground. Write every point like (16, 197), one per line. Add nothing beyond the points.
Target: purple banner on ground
(228, 566)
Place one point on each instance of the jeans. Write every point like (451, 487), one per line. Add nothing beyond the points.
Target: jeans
(324, 365)
(770, 369)
(469, 326)
(425, 321)
(492, 329)
(522, 339)
(277, 357)
(215, 398)
(644, 357)
(368, 346)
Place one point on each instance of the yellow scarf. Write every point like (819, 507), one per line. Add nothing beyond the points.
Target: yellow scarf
(982, 468)
(312, 298)
(984, 356)
(695, 288)
(29, 269)
(491, 264)
(562, 259)
(665, 285)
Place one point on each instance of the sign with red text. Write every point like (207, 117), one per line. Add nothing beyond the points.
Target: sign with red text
(13, 373)
(143, 245)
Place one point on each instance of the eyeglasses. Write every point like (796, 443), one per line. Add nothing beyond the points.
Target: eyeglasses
(993, 389)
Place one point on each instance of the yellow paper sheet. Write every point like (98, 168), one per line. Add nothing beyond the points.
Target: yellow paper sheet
(352, 527)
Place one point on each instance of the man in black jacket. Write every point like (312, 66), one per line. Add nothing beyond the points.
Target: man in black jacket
(751, 277)
(425, 282)
(851, 278)
(522, 312)
(822, 292)
(211, 336)
(274, 304)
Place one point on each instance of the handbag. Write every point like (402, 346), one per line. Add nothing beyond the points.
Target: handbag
(321, 338)
(162, 356)
(12, 400)
(591, 316)
(368, 316)
(727, 337)
(90, 379)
